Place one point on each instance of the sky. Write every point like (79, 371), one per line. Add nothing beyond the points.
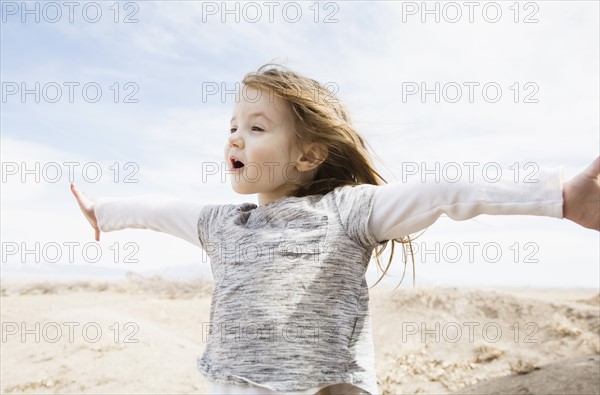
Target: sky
(133, 98)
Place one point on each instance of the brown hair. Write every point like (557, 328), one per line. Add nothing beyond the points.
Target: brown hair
(319, 117)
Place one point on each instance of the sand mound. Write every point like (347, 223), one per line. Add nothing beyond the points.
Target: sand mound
(594, 300)
(439, 340)
(570, 376)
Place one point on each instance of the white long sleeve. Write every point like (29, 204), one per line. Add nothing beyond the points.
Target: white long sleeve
(161, 213)
(400, 209)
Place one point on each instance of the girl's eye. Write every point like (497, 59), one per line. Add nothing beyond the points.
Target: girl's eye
(256, 128)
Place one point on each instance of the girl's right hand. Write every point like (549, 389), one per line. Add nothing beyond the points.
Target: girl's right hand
(87, 208)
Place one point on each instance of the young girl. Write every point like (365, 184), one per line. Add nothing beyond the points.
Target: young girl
(290, 309)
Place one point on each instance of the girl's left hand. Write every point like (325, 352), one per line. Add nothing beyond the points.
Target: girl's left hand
(581, 197)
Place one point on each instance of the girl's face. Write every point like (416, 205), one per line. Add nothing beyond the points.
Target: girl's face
(261, 138)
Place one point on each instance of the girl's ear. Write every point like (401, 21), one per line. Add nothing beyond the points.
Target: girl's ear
(314, 155)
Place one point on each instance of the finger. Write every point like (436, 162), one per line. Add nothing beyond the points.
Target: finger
(83, 201)
(97, 235)
(76, 192)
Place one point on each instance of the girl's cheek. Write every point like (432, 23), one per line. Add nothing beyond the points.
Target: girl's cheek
(262, 155)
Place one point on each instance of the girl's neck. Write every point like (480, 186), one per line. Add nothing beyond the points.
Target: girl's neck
(265, 200)
(273, 196)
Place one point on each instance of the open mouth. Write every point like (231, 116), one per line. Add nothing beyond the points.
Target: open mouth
(236, 164)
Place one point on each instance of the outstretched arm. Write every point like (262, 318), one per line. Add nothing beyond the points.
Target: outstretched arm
(176, 217)
(402, 209)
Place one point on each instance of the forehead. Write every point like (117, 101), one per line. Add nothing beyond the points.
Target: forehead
(251, 101)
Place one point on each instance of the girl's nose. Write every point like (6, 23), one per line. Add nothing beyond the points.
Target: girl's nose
(234, 139)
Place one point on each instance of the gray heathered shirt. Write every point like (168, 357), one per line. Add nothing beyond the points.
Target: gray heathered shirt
(290, 305)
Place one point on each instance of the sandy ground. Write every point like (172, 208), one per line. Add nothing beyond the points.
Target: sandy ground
(143, 335)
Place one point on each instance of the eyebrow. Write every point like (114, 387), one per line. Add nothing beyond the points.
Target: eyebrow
(255, 114)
